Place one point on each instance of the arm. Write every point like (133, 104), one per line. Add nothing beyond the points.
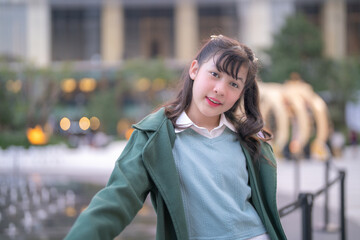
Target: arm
(113, 208)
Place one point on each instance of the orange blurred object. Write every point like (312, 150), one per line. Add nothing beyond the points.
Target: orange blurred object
(36, 135)
(128, 133)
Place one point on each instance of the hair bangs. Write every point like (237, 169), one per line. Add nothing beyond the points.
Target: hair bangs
(230, 63)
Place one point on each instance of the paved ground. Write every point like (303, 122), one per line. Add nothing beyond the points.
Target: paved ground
(98, 163)
(312, 179)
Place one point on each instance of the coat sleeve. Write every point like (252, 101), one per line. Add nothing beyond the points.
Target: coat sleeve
(113, 208)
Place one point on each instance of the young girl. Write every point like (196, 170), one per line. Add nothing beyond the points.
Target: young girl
(205, 162)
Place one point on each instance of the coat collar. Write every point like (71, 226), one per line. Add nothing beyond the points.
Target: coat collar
(152, 121)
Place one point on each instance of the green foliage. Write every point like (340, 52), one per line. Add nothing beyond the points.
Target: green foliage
(298, 38)
(297, 45)
(6, 110)
(27, 98)
(152, 69)
(103, 105)
(342, 80)
(124, 99)
(33, 101)
(13, 138)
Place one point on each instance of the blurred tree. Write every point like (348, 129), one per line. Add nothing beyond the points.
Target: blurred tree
(40, 94)
(342, 81)
(6, 110)
(139, 87)
(27, 98)
(298, 42)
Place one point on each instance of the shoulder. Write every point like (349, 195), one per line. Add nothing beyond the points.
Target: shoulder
(152, 122)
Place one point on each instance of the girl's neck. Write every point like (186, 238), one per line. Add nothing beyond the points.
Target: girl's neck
(209, 122)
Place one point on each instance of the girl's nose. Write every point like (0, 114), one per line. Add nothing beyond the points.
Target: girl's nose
(219, 89)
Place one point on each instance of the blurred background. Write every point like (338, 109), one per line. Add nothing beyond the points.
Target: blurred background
(75, 74)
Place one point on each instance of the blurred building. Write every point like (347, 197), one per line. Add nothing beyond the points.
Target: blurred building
(109, 31)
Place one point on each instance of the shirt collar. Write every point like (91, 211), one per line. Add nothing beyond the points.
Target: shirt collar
(183, 122)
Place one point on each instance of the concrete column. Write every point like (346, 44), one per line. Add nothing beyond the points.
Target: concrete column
(334, 28)
(38, 32)
(112, 32)
(186, 30)
(255, 23)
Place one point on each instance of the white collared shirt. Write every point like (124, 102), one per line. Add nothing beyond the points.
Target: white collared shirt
(185, 122)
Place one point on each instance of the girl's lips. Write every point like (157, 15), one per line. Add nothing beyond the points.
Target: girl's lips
(213, 102)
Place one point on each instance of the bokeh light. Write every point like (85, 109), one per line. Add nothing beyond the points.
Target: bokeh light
(68, 85)
(122, 126)
(143, 84)
(84, 123)
(158, 84)
(65, 123)
(94, 123)
(87, 84)
(36, 135)
(128, 133)
(70, 212)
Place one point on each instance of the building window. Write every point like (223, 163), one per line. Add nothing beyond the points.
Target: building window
(75, 34)
(219, 19)
(312, 11)
(149, 32)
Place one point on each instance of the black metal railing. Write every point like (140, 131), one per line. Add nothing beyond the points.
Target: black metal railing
(305, 202)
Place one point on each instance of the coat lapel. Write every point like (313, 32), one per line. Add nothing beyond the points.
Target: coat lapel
(159, 161)
(259, 175)
(253, 180)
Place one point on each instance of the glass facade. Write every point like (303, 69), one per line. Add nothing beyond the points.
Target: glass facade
(75, 33)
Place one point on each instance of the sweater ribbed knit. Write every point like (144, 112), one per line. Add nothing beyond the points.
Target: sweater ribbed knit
(214, 187)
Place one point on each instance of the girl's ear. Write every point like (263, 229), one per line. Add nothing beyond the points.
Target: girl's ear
(194, 68)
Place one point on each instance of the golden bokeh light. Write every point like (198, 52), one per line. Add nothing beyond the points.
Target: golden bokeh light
(122, 126)
(142, 85)
(94, 123)
(65, 123)
(87, 84)
(158, 84)
(70, 212)
(36, 135)
(68, 85)
(84, 123)
(128, 133)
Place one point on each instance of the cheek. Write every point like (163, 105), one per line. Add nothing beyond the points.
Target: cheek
(235, 97)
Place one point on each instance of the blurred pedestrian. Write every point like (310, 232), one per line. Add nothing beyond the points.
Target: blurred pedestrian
(210, 172)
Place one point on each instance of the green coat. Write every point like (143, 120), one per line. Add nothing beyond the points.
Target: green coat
(147, 165)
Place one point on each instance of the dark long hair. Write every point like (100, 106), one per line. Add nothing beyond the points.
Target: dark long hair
(231, 56)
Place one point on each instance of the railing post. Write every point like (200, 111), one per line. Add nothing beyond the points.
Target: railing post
(296, 175)
(306, 209)
(342, 205)
(326, 192)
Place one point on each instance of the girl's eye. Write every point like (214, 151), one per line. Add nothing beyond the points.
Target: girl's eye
(235, 85)
(214, 74)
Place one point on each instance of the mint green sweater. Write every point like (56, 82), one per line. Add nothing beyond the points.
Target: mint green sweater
(214, 187)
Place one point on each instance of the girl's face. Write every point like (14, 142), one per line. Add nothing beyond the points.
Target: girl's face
(214, 92)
